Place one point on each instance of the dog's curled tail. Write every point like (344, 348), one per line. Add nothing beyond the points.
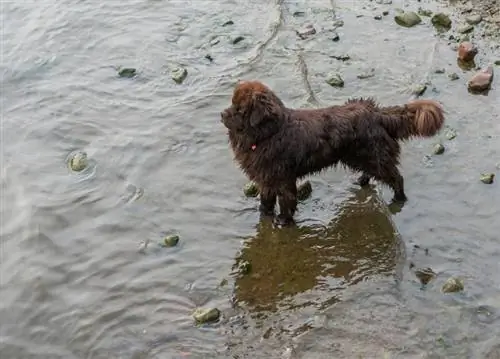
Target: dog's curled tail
(419, 118)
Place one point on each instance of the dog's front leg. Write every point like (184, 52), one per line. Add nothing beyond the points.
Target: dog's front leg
(267, 200)
(287, 197)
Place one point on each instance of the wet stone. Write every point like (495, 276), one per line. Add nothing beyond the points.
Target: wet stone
(385, 12)
(473, 19)
(237, 40)
(366, 74)
(466, 51)
(450, 134)
(438, 149)
(425, 275)
(304, 191)
(465, 29)
(487, 178)
(179, 74)
(338, 23)
(228, 23)
(453, 76)
(441, 21)
(335, 80)
(378, 17)
(127, 72)
(244, 267)
(481, 81)
(334, 37)
(453, 285)
(209, 57)
(419, 89)
(78, 161)
(214, 42)
(170, 240)
(407, 19)
(206, 315)
(424, 12)
(439, 71)
(306, 31)
(251, 189)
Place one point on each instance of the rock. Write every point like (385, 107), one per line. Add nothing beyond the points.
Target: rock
(438, 149)
(341, 57)
(465, 29)
(367, 74)
(214, 41)
(378, 17)
(425, 275)
(335, 37)
(473, 19)
(466, 51)
(209, 57)
(487, 178)
(439, 71)
(228, 22)
(338, 23)
(450, 133)
(385, 12)
(179, 74)
(418, 90)
(481, 81)
(424, 12)
(305, 32)
(299, 14)
(304, 191)
(335, 80)
(78, 161)
(453, 285)
(237, 40)
(453, 76)
(170, 241)
(497, 63)
(441, 21)
(251, 189)
(127, 72)
(407, 19)
(206, 315)
(244, 267)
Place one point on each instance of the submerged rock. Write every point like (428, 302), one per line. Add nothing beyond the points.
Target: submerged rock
(425, 275)
(304, 191)
(244, 267)
(237, 40)
(206, 315)
(366, 74)
(453, 76)
(450, 133)
(127, 72)
(424, 12)
(481, 81)
(170, 240)
(441, 21)
(487, 178)
(453, 285)
(466, 51)
(335, 36)
(179, 74)
(407, 19)
(335, 80)
(251, 189)
(439, 71)
(228, 22)
(419, 89)
(465, 28)
(473, 19)
(438, 149)
(305, 32)
(78, 161)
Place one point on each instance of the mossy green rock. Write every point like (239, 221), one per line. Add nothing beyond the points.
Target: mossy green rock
(78, 161)
(335, 80)
(127, 72)
(487, 178)
(438, 149)
(179, 74)
(304, 191)
(453, 285)
(407, 19)
(206, 315)
(170, 240)
(251, 189)
(441, 21)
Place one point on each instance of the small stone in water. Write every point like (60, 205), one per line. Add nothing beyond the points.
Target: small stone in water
(487, 178)
(244, 267)
(441, 21)
(450, 134)
(453, 76)
(306, 31)
(424, 12)
(439, 71)
(335, 80)
(206, 315)
(227, 23)
(453, 285)
(304, 191)
(419, 89)
(474, 19)
(465, 29)
(338, 23)
(78, 162)
(179, 74)
(237, 40)
(407, 19)
(127, 72)
(385, 12)
(367, 74)
(481, 81)
(438, 149)
(170, 241)
(378, 17)
(425, 275)
(335, 37)
(209, 57)
(251, 189)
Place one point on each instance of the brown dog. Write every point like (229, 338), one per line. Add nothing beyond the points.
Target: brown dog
(276, 145)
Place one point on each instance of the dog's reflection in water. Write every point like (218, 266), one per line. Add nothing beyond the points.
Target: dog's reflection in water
(299, 266)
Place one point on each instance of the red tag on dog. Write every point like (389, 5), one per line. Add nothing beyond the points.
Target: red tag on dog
(254, 147)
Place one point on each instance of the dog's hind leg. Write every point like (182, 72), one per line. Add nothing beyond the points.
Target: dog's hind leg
(392, 177)
(267, 201)
(287, 198)
(363, 180)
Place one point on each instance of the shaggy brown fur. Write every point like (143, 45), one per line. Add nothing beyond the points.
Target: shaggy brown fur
(276, 145)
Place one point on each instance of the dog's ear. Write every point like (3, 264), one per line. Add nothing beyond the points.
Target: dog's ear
(259, 109)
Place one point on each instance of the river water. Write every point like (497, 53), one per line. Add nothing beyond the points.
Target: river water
(74, 283)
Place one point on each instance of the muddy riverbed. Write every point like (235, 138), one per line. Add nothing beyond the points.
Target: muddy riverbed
(77, 280)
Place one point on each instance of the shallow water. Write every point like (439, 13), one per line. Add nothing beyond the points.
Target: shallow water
(73, 281)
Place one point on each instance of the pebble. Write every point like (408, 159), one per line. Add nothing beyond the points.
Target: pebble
(78, 161)
(127, 72)
(487, 178)
(453, 285)
(474, 19)
(170, 240)
(407, 19)
(438, 149)
(335, 80)
(418, 90)
(453, 76)
(466, 51)
(237, 40)
(465, 29)
(179, 74)
(441, 21)
(481, 81)
(206, 315)
(305, 32)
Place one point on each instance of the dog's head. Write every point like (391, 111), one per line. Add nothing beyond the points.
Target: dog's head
(255, 109)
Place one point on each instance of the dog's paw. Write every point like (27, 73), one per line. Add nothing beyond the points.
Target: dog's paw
(283, 221)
